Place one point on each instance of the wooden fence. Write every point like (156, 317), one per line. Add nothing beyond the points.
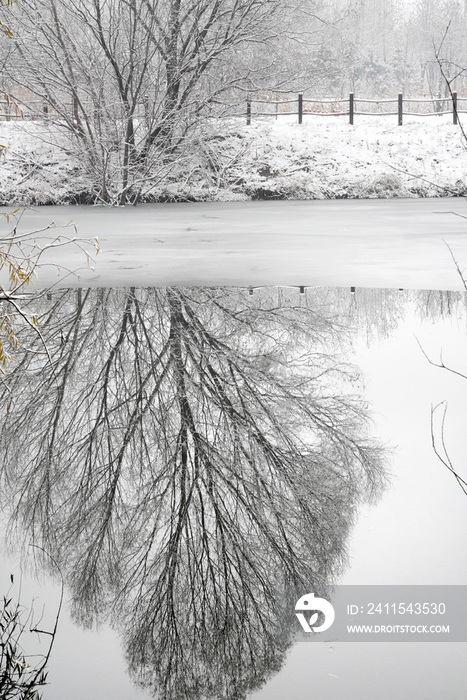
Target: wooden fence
(349, 107)
(298, 106)
(14, 110)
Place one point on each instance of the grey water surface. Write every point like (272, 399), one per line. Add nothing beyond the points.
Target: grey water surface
(194, 459)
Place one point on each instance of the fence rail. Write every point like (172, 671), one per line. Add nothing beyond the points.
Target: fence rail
(402, 107)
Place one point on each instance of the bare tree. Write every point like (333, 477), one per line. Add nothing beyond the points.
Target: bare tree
(438, 432)
(195, 462)
(438, 438)
(21, 257)
(23, 673)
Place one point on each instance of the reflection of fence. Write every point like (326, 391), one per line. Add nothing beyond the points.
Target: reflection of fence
(409, 106)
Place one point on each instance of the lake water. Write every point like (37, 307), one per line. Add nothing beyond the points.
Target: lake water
(160, 412)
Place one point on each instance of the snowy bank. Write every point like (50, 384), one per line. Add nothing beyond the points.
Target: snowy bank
(324, 158)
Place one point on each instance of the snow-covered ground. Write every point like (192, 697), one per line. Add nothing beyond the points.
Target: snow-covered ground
(323, 158)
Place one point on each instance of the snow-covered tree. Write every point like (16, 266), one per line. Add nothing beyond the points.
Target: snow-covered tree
(129, 80)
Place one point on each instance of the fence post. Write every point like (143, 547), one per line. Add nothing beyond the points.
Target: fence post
(300, 107)
(399, 109)
(45, 109)
(75, 108)
(248, 110)
(454, 107)
(351, 108)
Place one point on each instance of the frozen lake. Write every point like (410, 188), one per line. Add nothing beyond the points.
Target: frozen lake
(366, 243)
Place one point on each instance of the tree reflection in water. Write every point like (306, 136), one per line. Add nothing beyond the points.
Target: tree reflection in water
(193, 459)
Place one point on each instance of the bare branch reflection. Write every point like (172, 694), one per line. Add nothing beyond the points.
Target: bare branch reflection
(193, 459)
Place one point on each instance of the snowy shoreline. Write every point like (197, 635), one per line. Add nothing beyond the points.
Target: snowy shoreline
(324, 158)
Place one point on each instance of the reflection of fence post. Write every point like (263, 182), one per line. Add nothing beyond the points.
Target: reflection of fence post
(454, 107)
(351, 107)
(300, 107)
(399, 109)
(45, 109)
(248, 109)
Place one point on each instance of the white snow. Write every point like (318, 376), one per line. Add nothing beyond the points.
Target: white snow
(325, 157)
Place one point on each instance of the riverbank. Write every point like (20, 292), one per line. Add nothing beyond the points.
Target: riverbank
(324, 158)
